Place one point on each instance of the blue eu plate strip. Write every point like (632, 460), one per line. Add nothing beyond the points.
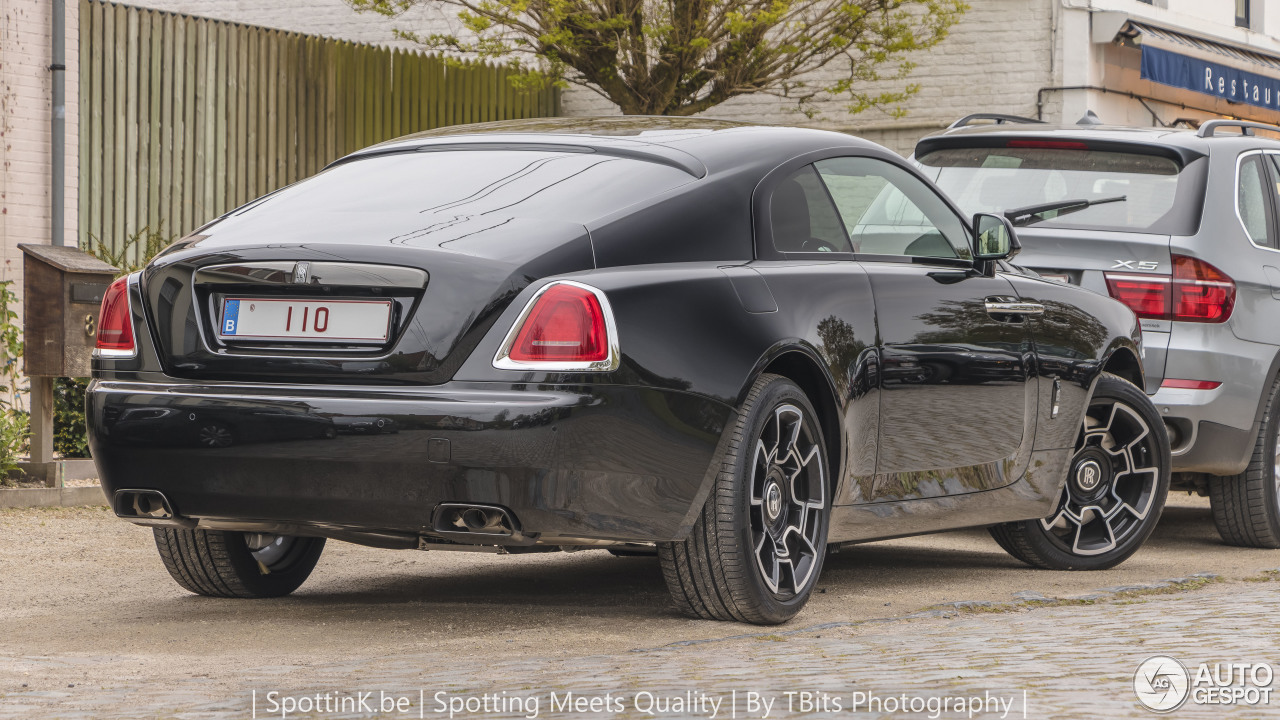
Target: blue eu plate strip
(230, 314)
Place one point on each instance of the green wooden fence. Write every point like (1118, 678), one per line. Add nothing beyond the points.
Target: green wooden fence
(184, 118)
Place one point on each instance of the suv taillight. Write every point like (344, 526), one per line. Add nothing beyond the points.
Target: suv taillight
(1196, 292)
(567, 326)
(1201, 292)
(115, 322)
(1146, 295)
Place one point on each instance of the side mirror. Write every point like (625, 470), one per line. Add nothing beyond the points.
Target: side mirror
(994, 238)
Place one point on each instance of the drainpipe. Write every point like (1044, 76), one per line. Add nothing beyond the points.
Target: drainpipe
(58, 136)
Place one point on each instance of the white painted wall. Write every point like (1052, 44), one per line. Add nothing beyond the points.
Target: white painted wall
(25, 117)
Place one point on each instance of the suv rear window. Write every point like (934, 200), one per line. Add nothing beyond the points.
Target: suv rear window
(1005, 178)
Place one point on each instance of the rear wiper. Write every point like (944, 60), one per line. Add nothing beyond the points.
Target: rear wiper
(1031, 214)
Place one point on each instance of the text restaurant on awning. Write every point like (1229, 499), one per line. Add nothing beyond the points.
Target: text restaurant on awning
(1203, 74)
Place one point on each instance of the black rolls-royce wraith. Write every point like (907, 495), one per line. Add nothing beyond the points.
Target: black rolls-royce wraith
(620, 334)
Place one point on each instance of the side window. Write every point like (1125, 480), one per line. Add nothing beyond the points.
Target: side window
(888, 211)
(803, 218)
(1251, 195)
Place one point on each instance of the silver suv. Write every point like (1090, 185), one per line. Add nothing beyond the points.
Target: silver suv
(1183, 227)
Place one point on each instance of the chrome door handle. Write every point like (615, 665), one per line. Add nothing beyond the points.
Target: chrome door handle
(1014, 308)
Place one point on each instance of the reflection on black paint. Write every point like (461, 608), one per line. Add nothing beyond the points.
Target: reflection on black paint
(845, 356)
(164, 424)
(1069, 345)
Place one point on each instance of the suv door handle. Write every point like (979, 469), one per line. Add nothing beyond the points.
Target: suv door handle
(1004, 306)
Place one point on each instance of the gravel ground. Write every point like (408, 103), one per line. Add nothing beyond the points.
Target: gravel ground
(92, 627)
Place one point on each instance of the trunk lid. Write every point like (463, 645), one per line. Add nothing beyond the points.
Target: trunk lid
(443, 295)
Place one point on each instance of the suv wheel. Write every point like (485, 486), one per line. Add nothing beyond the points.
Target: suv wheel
(1115, 489)
(1246, 507)
(756, 551)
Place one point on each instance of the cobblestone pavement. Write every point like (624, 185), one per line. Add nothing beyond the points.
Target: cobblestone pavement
(1072, 661)
(99, 633)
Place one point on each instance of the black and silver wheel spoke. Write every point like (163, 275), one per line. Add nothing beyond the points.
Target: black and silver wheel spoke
(1112, 484)
(788, 495)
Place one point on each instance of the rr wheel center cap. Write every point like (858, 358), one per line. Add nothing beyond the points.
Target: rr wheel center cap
(1088, 475)
(772, 501)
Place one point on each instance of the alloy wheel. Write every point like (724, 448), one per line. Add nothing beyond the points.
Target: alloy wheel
(788, 497)
(1112, 485)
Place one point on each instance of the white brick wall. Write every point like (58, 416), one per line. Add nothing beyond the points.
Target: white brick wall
(25, 116)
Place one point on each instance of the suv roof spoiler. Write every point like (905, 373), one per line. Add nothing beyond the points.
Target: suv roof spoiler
(998, 118)
(1208, 129)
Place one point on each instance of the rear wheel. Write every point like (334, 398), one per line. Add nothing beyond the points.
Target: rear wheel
(1246, 507)
(237, 565)
(756, 551)
(1115, 489)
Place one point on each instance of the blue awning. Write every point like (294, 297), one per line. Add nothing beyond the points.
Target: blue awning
(1208, 67)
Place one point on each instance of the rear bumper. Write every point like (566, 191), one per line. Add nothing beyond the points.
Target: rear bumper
(601, 462)
(1216, 427)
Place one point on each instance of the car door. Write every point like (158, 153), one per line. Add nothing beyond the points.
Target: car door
(1258, 211)
(957, 407)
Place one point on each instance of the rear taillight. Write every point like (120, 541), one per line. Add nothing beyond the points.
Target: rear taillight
(1196, 292)
(1201, 292)
(566, 326)
(115, 322)
(1146, 295)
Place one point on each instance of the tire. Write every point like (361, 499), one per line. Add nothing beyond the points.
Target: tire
(1246, 507)
(219, 563)
(756, 550)
(1108, 506)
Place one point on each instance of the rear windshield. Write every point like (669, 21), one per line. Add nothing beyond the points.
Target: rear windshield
(1003, 179)
(567, 186)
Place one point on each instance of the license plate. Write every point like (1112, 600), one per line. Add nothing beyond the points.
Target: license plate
(351, 321)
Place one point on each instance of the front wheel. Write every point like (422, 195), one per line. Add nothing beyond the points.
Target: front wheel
(228, 564)
(1115, 489)
(756, 551)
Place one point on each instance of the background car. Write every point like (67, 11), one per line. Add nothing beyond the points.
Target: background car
(1181, 226)
(616, 333)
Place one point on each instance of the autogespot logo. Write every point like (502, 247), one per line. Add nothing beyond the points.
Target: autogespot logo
(1162, 684)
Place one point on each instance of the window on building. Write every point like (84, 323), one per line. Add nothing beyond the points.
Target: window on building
(1242, 13)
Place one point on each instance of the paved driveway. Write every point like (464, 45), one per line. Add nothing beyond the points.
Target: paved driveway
(91, 627)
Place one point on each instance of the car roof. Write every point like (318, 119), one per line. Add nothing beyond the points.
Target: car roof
(1185, 143)
(697, 145)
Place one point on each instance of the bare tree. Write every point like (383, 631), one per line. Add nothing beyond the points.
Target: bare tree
(680, 57)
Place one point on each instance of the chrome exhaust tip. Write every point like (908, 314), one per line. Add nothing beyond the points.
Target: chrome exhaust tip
(147, 507)
(475, 522)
